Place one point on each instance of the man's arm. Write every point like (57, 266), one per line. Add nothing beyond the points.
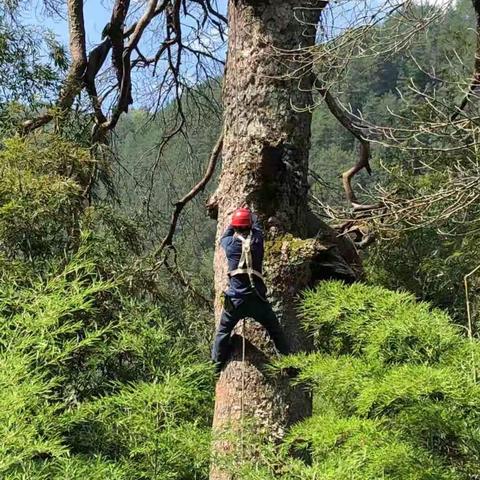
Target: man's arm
(256, 226)
(257, 232)
(227, 236)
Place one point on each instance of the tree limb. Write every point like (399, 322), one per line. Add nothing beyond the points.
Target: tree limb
(113, 38)
(125, 86)
(96, 59)
(200, 186)
(121, 42)
(73, 83)
(347, 176)
(358, 132)
(116, 34)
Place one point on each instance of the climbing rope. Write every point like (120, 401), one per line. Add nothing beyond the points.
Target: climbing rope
(470, 326)
(242, 442)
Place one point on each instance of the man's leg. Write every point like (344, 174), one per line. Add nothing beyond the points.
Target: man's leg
(221, 345)
(266, 316)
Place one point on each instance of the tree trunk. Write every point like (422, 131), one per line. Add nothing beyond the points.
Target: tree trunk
(265, 164)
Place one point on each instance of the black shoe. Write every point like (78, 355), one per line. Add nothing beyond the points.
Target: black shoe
(291, 372)
(218, 367)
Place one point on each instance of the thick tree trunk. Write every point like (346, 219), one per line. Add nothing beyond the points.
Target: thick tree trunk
(265, 163)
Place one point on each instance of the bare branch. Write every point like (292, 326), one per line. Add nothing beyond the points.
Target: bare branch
(357, 131)
(347, 176)
(121, 43)
(200, 186)
(96, 59)
(125, 86)
(475, 84)
(116, 34)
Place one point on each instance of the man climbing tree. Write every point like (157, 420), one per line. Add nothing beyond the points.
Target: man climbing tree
(266, 139)
(243, 244)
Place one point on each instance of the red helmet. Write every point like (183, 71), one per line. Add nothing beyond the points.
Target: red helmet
(242, 218)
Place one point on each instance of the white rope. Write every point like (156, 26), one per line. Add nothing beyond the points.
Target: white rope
(242, 402)
(469, 317)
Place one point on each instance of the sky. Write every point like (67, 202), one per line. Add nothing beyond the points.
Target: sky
(97, 14)
(96, 17)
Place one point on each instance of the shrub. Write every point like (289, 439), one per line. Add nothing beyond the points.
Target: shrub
(395, 392)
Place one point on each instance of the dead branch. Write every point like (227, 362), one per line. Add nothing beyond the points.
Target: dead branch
(113, 38)
(122, 42)
(96, 59)
(363, 162)
(350, 123)
(125, 84)
(359, 231)
(116, 34)
(200, 186)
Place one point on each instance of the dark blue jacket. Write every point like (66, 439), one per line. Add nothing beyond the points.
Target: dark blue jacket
(239, 285)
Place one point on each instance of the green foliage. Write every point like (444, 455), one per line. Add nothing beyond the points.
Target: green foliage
(40, 331)
(427, 263)
(38, 195)
(32, 65)
(390, 329)
(32, 61)
(103, 372)
(155, 429)
(395, 392)
(100, 378)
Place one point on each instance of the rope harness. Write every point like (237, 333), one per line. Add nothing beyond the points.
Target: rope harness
(245, 264)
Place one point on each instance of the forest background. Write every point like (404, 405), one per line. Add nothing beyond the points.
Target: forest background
(104, 351)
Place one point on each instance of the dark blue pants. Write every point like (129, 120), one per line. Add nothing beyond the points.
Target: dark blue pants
(250, 306)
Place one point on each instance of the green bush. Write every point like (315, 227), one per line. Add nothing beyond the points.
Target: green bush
(40, 194)
(79, 398)
(101, 377)
(395, 392)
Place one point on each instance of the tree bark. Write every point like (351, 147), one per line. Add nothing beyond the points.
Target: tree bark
(265, 164)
